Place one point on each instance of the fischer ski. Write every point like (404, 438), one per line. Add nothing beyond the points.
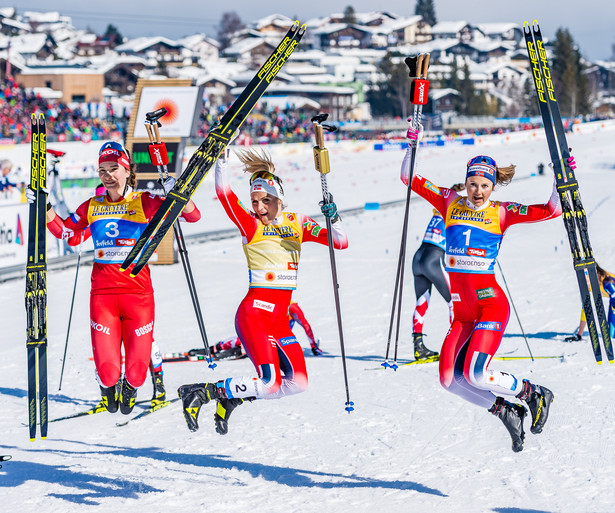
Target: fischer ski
(36, 282)
(151, 409)
(99, 408)
(573, 213)
(208, 152)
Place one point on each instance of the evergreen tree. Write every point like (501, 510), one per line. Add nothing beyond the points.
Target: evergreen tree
(427, 10)
(349, 15)
(113, 35)
(391, 95)
(571, 87)
(229, 24)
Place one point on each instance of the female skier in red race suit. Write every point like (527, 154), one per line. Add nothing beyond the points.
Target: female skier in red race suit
(272, 242)
(121, 307)
(475, 226)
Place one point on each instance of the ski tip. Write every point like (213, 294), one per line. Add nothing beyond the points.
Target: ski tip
(44, 437)
(32, 439)
(132, 275)
(122, 269)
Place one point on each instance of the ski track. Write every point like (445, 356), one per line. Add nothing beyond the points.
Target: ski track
(409, 445)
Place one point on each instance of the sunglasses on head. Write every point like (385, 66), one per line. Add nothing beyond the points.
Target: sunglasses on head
(482, 159)
(113, 146)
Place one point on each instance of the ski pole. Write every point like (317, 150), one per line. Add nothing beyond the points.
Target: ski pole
(160, 158)
(70, 316)
(417, 70)
(515, 310)
(321, 162)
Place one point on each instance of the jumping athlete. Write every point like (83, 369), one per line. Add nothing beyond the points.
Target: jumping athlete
(607, 289)
(428, 270)
(272, 242)
(121, 307)
(474, 227)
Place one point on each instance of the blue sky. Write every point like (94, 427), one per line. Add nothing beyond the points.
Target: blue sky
(592, 23)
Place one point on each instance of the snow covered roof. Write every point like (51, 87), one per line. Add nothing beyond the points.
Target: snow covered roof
(436, 94)
(289, 102)
(25, 43)
(448, 27)
(401, 23)
(8, 12)
(196, 39)
(60, 69)
(273, 19)
(140, 44)
(8, 22)
(46, 17)
(247, 45)
(492, 29)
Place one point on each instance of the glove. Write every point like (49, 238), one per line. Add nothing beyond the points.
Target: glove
(168, 184)
(573, 338)
(329, 209)
(31, 194)
(572, 163)
(316, 348)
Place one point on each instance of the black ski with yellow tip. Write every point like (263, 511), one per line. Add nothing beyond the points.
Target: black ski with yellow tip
(573, 213)
(208, 152)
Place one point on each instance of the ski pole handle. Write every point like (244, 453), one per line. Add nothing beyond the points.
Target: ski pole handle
(154, 116)
(321, 154)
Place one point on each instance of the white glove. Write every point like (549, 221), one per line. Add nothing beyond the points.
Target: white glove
(31, 194)
(168, 184)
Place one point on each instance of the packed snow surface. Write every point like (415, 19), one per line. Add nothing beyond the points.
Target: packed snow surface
(409, 445)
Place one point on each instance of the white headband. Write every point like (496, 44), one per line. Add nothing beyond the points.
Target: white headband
(268, 186)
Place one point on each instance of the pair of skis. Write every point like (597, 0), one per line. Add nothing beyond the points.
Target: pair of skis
(208, 152)
(573, 213)
(36, 281)
(417, 70)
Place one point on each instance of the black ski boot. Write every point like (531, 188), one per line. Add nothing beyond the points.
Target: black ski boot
(234, 353)
(128, 397)
(196, 395)
(512, 416)
(420, 351)
(109, 398)
(539, 399)
(159, 395)
(224, 408)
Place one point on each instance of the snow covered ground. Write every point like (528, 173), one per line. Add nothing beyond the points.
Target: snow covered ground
(409, 445)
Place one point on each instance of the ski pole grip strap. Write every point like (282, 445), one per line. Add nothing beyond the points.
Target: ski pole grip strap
(158, 154)
(321, 160)
(418, 91)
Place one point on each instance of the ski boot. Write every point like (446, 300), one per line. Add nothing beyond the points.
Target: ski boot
(233, 353)
(512, 416)
(159, 395)
(109, 398)
(420, 351)
(128, 397)
(539, 399)
(224, 408)
(316, 351)
(196, 395)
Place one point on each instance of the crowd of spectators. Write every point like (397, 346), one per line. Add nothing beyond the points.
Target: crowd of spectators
(64, 122)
